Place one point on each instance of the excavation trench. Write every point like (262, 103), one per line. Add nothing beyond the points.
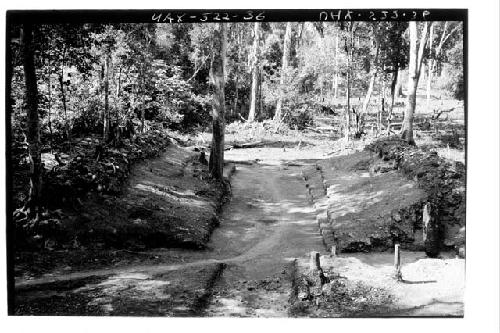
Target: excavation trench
(249, 265)
(268, 222)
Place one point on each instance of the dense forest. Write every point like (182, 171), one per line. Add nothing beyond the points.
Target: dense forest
(112, 81)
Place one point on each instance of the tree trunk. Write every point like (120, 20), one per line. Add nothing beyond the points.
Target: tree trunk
(217, 70)
(49, 111)
(253, 100)
(118, 94)
(348, 97)
(301, 32)
(379, 116)
(393, 94)
(255, 72)
(63, 94)
(119, 85)
(381, 110)
(407, 128)
(63, 99)
(348, 90)
(369, 92)
(33, 129)
(236, 70)
(284, 68)
(321, 89)
(430, 67)
(261, 103)
(143, 111)
(235, 103)
(399, 85)
(105, 129)
(336, 78)
(416, 56)
(143, 101)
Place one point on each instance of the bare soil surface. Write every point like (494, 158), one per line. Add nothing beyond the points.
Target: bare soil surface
(364, 285)
(181, 292)
(168, 201)
(254, 259)
(367, 209)
(271, 211)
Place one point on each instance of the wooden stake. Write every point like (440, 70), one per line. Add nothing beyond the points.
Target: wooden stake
(314, 264)
(426, 218)
(430, 232)
(397, 256)
(397, 262)
(334, 251)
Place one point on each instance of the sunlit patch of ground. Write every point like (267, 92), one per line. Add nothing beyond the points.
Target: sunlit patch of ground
(433, 287)
(179, 292)
(365, 285)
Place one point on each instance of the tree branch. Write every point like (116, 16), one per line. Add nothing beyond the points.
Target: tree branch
(441, 42)
(198, 69)
(448, 35)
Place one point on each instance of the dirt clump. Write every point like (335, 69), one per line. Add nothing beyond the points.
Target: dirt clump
(325, 293)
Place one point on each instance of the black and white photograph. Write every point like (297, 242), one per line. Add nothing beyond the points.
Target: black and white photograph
(250, 163)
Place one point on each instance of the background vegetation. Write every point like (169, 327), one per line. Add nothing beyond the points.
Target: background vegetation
(80, 91)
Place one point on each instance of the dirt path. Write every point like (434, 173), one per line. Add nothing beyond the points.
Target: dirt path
(268, 224)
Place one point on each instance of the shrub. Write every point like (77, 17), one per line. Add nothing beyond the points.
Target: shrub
(299, 118)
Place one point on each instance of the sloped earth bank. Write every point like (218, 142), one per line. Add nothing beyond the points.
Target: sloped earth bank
(443, 182)
(360, 210)
(375, 198)
(168, 201)
(255, 263)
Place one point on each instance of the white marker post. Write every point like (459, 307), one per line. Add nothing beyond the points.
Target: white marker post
(397, 262)
(333, 251)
